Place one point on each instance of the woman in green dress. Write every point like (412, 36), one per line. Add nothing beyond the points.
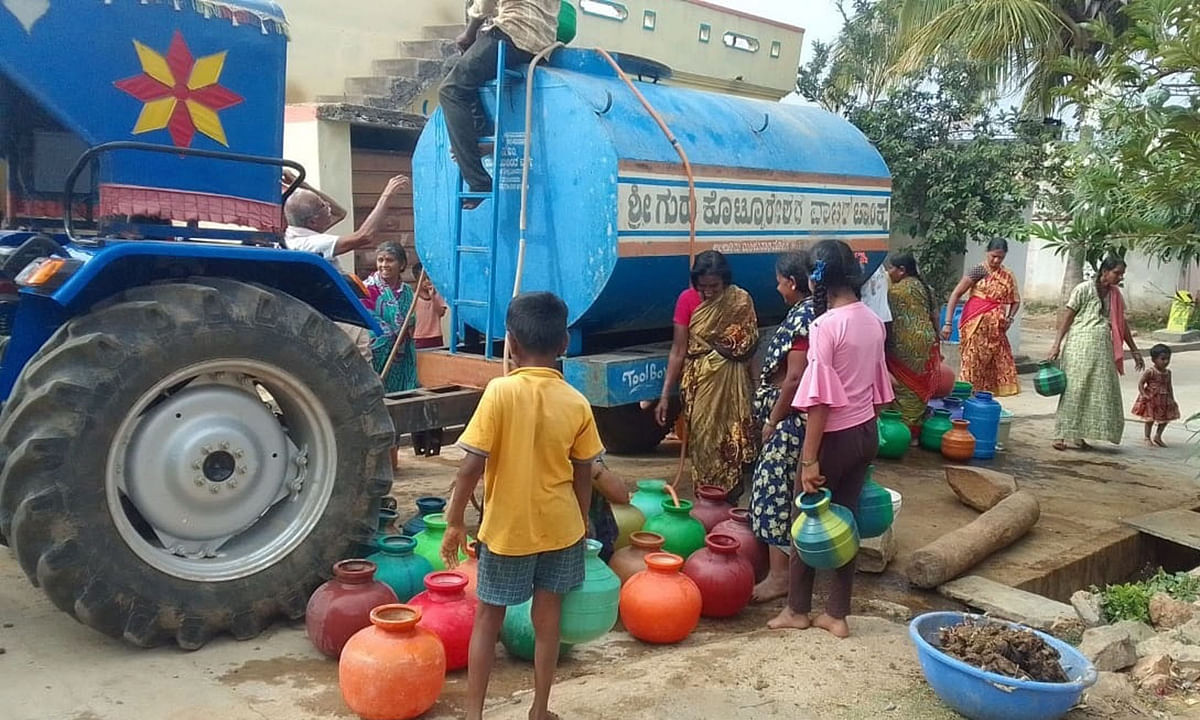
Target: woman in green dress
(913, 352)
(389, 298)
(1093, 327)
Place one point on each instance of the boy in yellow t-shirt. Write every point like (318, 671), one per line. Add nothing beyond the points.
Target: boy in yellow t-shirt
(534, 441)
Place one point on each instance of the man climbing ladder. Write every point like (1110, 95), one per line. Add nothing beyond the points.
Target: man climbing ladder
(526, 27)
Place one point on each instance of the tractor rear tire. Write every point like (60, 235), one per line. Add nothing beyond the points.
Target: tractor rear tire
(82, 498)
(630, 430)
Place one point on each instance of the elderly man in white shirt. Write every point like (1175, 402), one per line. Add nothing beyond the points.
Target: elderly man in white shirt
(310, 213)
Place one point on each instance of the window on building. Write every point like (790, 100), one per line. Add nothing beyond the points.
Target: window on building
(605, 9)
(776, 49)
(649, 18)
(738, 41)
(705, 32)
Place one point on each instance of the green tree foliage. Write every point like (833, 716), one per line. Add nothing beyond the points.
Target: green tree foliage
(960, 173)
(1137, 184)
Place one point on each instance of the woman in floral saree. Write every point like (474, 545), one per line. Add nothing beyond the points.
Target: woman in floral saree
(987, 359)
(913, 354)
(783, 366)
(716, 334)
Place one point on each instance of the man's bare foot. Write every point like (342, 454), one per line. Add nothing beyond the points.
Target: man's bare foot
(788, 619)
(771, 588)
(833, 626)
(1151, 443)
(1159, 441)
(548, 715)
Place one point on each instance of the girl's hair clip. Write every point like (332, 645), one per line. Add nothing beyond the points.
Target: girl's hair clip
(818, 273)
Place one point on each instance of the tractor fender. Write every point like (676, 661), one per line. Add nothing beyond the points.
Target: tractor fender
(117, 266)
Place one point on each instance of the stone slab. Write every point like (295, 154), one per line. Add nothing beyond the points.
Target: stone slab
(1009, 603)
(1169, 336)
(1181, 527)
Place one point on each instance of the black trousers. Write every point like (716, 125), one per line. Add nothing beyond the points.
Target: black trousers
(463, 108)
(845, 456)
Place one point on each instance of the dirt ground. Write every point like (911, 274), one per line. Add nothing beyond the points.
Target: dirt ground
(55, 669)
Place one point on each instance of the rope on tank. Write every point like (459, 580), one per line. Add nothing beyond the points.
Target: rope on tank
(662, 124)
(691, 179)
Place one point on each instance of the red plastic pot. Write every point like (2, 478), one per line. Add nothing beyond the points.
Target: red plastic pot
(448, 612)
(755, 552)
(725, 578)
(712, 506)
(342, 606)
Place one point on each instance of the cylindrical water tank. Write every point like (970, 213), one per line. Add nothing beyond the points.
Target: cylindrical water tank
(608, 200)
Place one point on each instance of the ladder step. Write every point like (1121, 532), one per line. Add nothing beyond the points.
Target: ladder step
(475, 195)
(478, 249)
(487, 140)
(470, 303)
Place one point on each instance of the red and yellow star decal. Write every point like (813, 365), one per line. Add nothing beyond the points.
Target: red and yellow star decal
(181, 93)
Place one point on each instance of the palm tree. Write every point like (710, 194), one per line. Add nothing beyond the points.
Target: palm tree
(1019, 43)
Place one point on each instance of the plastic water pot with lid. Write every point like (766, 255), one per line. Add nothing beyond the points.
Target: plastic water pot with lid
(983, 414)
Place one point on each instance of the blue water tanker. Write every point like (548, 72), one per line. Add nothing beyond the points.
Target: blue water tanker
(608, 213)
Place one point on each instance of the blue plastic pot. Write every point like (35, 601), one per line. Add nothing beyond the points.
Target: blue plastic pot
(982, 695)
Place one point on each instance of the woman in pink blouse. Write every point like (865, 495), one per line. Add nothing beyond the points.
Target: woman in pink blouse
(844, 385)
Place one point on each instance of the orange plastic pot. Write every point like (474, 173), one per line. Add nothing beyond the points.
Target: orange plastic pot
(660, 604)
(392, 670)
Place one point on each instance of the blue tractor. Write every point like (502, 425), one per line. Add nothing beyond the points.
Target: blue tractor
(188, 438)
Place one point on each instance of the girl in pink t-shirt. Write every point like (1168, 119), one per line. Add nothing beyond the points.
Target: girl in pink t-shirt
(843, 386)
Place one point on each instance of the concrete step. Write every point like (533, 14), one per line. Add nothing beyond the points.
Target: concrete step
(364, 100)
(427, 49)
(441, 32)
(370, 85)
(408, 67)
(381, 102)
(1009, 603)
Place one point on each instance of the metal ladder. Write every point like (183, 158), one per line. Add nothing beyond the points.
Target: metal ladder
(457, 300)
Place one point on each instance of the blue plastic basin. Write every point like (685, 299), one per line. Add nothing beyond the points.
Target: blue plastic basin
(981, 695)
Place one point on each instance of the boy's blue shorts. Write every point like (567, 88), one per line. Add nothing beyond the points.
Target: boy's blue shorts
(511, 580)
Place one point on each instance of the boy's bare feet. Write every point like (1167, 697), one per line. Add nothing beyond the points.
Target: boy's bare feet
(1150, 442)
(789, 619)
(1159, 441)
(548, 715)
(833, 626)
(771, 588)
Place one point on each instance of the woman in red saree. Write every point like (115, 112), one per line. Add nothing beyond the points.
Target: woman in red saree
(987, 359)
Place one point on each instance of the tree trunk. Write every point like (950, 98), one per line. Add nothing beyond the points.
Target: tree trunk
(1072, 274)
(960, 550)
